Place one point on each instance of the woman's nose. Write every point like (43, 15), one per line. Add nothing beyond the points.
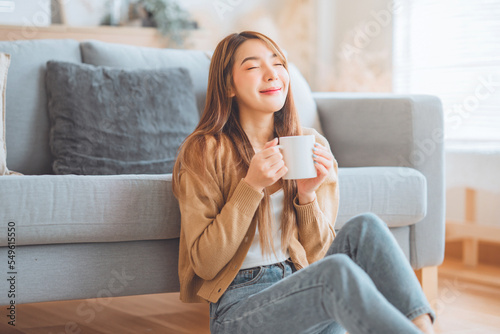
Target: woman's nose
(271, 74)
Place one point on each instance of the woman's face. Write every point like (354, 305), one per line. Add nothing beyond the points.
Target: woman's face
(260, 78)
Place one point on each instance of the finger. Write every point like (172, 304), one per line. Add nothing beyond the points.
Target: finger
(323, 152)
(320, 146)
(322, 171)
(268, 152)
(269, 148)
(281, 172)
(277, 165)
(271, 143)
(323, 161)
(274, 158)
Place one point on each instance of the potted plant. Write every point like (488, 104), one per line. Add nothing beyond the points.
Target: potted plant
(167, 16)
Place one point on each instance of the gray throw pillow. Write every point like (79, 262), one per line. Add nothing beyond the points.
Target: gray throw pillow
(114, 121)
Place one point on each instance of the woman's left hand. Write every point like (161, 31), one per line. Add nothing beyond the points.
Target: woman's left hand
(324, 162)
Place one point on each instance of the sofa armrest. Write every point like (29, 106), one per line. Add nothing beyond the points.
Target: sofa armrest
(56, 209)
(374, 129)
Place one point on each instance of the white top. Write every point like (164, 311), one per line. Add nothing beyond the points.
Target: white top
(254, 256)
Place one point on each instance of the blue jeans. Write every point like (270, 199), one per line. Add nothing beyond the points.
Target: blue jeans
(364, 284)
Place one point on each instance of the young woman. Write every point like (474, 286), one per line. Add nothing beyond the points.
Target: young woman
(262, 250)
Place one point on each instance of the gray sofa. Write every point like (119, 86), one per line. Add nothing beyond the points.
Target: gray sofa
(100, 236)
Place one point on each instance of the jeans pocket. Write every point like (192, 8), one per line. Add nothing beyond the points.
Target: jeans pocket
(246, 277)
(235, 293)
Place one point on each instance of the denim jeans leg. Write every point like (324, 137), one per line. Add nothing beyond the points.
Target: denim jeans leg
(367, 240)
(332, 289)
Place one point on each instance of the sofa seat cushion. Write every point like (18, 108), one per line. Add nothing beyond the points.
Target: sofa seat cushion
(75, 208)
(134, 57)
(398, 195)
(108, 121)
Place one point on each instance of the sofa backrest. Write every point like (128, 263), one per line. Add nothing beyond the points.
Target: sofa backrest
(27, 122)
(133, 57)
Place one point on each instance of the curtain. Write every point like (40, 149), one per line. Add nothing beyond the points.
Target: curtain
(451, 49)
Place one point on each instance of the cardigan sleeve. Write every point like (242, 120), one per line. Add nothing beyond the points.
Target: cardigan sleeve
(316, 220)
(213, 228)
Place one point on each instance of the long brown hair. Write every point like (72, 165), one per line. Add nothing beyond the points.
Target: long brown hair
(220, 119)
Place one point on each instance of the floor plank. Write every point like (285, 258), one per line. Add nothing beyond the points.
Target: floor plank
(7, 329)
(483, 274)
(61, 329)
(466, 304)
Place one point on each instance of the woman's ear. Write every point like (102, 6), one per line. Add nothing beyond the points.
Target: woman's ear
(231, 92)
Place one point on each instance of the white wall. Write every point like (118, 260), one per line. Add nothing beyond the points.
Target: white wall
(86, 12)
(360, 46)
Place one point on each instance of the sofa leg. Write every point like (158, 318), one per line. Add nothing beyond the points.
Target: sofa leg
(428, 278)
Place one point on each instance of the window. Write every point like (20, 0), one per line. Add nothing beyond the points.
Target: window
(451, 49)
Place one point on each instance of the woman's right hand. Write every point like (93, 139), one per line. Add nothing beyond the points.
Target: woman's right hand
(267, 166)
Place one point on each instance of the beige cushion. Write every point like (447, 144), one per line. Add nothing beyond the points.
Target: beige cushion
(4, 68)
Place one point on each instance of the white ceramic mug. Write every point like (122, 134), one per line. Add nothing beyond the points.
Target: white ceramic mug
(297, 153)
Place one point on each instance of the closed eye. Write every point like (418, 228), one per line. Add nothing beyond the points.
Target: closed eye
(251, 68)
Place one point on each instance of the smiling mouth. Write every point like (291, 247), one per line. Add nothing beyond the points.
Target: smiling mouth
(272, 90)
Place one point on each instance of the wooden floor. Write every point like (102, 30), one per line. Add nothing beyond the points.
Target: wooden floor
(468, 299)
(468, 302)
